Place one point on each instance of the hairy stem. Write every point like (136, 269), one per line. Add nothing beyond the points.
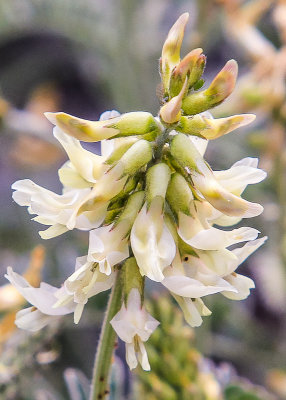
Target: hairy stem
(102, 363)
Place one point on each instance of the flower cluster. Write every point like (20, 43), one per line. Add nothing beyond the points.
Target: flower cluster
(151, 203)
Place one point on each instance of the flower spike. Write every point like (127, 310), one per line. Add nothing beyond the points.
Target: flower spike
(153, 207)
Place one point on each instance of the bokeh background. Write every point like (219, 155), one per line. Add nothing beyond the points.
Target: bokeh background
(87, 56)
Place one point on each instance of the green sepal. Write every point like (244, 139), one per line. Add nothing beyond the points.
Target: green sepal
(120, 199)
(220, 88)
(192, 125)
(132, 208)
(157, 181)
(197, 72)
(199, 84)
(136, 123)
(195, 103)
(132, 279)
(185, 248)
(172, 225)
(179, 195)
(112, 215)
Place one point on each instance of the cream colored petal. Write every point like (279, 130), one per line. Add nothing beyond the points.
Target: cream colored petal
(243, 284)
(217, 239)
(43, 298)
(90, 166)
(152, 243)
(191, 313)
(131, 356)
(32, 320)
(143, 357)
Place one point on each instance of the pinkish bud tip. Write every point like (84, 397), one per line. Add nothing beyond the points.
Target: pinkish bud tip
(224, 83)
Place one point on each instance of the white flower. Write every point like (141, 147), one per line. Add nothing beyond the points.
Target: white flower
(190, 280)
(151, 241)
(108, 246)
(193, 310)
(193, 279)
(242, 173)
(196, 230)
(31, 319)
(220, 198)
(42, 300)
(84, 167)
(243, 284)
(134, 326)
(58, 210)
(85, 282)
(224, 262)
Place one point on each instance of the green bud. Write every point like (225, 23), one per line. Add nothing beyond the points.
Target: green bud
(185, 152)
(192, 67)
(192, 125)
(157, 181)
(138, 155)
(179, 194)
(135, 123)
(196, 103)
(185, 248)
(197, 70)
(132, 279)
(220, 88)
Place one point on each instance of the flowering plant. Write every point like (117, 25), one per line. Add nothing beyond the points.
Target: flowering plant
(153, 208)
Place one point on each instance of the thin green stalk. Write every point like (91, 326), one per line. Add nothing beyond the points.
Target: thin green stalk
(102, 363)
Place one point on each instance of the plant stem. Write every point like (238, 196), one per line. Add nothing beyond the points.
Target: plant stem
(105, 347)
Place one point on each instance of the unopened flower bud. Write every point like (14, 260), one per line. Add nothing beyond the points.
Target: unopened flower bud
(157, 181)
(172, 47)
(184, 152)
(179, 194)
(138, 155)
(171, 111)
(220, 88)
(197, 70)
(192, 65)
(210, 128)
(188, 157)
(134, 123)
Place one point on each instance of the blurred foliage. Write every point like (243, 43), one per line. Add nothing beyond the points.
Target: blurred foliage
(179, 371)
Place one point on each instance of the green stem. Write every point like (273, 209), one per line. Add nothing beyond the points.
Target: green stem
(102, 363)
